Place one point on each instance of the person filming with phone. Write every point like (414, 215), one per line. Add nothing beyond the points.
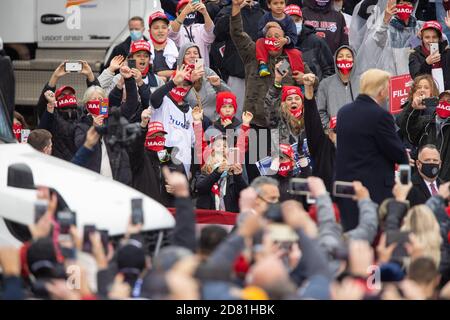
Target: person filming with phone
(423, 129)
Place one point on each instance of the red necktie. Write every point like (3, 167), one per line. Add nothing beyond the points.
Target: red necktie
(433, 189)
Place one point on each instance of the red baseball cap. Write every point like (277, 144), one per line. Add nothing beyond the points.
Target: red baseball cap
(333, 122)
(158, 15)
(289, 90)
(293, 9)
(60, 91)
(432, 24)
(140, 45)
(225, 97)
(182, 3)
(155, 127)
(286, 149)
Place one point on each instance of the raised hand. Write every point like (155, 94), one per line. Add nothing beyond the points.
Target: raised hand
(145, 117)
(197, 114)
(247, 118)
(116, 63)
(390, 11)
(181, 73)
(126, 72)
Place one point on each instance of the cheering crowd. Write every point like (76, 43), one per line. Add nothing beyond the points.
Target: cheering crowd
(231, 101)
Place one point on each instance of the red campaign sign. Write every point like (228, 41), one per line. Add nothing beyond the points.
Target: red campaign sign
(398, 92)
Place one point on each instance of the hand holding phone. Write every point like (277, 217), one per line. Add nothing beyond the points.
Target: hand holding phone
(284, 67)
(132, 63)
(137, 212)
(434, 47)
(343, 189)
(199, 64)
(298, 186)
(87, 231)
(405, 174)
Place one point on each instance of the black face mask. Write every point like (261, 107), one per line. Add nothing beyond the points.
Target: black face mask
(69, 115)
(430, 170)
(190, 19)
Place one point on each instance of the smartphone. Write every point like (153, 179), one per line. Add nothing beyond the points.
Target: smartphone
(434, 47)
(137, 213)
(404, 173)
(87, 231)
(298, 186)
(132, 63)
(73, 66)
(199, 64)
(40, 208)
(24, 133)
(431, 102)
(196, 1)
(104, 236)
(343, 189)
(66, 219)
(233, 156)
(104, 104)
(284, 67)
(399, 237)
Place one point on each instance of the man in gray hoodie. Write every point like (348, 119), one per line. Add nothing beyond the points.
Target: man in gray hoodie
(339, 89)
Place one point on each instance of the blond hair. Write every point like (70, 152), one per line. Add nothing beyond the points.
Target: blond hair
(421, 221)
(373, 81)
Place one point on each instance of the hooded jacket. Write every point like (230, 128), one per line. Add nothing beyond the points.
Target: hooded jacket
(333, 94)
(418, 65)
(328, 23)
(387, 46)
(315, 52)
(207, 93)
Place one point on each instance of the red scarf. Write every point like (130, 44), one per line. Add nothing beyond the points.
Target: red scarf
(404, 11)
(17, 129)
(427, 53)
(284, 168)
(297, 113)
(156, 143)
(144, 73)
(156, 41)
(344, 66)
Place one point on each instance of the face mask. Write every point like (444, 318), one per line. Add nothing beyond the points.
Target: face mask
(344, 66)
(190, 19)
(67, 100)
(284, 168)
(178, 94)
(155, 143)
(98, 107)
(299, 26)
(135, 35)
(297, 113)
(404, 11)
(269, 43)
(322, 3)
(17, 129)
(443, 109)
(68, 115)
(430, 170)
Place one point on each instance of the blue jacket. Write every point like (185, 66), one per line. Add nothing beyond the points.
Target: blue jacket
(287, 24)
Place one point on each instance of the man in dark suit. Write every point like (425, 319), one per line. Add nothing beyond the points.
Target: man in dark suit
(367, 145)
(425, 181)
(137, 28)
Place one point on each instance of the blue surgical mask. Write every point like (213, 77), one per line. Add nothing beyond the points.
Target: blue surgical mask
(136, 35)
(299, 26)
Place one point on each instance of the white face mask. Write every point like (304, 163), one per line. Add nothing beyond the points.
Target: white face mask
(299, 26)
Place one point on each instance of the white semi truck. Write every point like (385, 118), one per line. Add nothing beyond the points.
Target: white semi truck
(39, 34)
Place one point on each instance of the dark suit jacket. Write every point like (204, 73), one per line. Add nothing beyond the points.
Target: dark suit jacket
(367, 150)
(419, 193)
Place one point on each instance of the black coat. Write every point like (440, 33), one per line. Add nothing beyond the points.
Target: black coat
(146, 171)
(231, 64)
(315, 52)
(204, 183)
(418, 65)
(419, 193)
(118, 157)
(321, 148)
(367, 150)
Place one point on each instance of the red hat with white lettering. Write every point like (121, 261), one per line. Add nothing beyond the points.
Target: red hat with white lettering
(286, 149)
(140, 45)
(223, 98)
(155, 127)
(293, 10)
(433, 24)
(333, 122)
(181, 4)
(60, 91)
(158, 15)
(290, 90)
